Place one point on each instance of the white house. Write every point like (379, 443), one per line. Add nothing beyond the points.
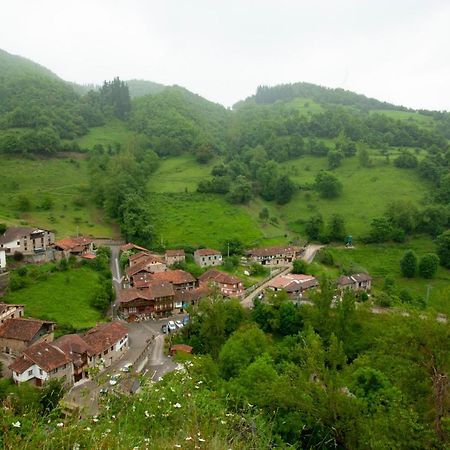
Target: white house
(26, 240)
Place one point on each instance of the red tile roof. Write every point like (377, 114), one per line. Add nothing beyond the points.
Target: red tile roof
(144, 265)
(76, 244)
(88, 255)
(105, 335)
(282, 281)
(191, 295)
(181, 347)
(219, 277)
(206, 252)
(173, 276)
(46, 356)
(131, 246)
(21, 329)
(157, 289)
(175, 253)
(73, 345)
(129, 295)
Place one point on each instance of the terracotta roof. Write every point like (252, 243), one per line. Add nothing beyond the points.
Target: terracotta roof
(137, 256)
(5, 306)
(272, 251)
(345, 280)
(191, 295)
(15, 233)
(128, 295)
(175, 253)
(143, 265)
(157, 289)
(173, 276)
(75, 244)
(131, 246)
(46, 356)
(206, 252)
(219, 277)
(88, 255)
(21, 329)
(73, 345)
(283, 281)
(105, 335)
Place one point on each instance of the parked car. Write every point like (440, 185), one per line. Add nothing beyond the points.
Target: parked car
(179, 324)
(164, 328)
(185, 320)
(103, 391)
(114, 379)
(171, 326)
(126, 367)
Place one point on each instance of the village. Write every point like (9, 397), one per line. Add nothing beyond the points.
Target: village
(152, 297)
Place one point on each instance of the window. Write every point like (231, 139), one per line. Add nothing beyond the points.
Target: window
(40, 372)
(18, 242)
(30, 372)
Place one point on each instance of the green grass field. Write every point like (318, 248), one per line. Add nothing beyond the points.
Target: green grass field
(64, 182)
(366, 192)
(63, 297)
(382, 260)
(112, 132)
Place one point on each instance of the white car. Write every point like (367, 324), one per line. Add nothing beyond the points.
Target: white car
(179, 324)
(126, 367)
(114, 379)
(171, 326)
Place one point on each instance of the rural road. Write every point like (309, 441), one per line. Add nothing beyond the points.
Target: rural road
(116, 276)
(308, 256)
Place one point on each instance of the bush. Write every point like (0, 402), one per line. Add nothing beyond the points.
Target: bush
(428, 265)
(258, 270)
(325, 257)
(300, 266)
(408, 264)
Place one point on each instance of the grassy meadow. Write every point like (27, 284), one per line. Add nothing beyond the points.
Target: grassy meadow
(50, 193)
(383, 260)
(63, 297)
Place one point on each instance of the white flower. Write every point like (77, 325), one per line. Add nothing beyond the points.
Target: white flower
(146, 439)
(60, 425)
(201, 439)
(223, 422)
(177, 445)
(76, 446)
(113, 417)
(87, 429)
(16, 424)
(197, 387)
(95, 420)
(200, 382)
(108, 430)
(177, 405)
(188, 438)
(146, 414)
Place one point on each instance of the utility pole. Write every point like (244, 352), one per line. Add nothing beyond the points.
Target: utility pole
(228, 244)
(428, 293)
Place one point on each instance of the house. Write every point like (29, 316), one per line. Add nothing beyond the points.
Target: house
(79, 352)
(137, 258)
(2, 258)
(150, 264)
(274, 256)
(228, 285)
(294, 284)
(356, 282)
(180, 348)
(74, 246)
(42, 362)
(131, 246)
(17, 334)
(186, 298)
(26, 240)
(205, 257)
(156, 299)
(107, 342)
(10, 311)
(174, 256)
(180, 279)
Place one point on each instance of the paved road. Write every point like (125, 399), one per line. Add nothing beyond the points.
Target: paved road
(308, 255)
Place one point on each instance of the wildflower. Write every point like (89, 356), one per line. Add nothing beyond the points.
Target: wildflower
(87, 429)
(197, 387)
(95, 420)
(200, 382)
(146, 439)
(113, 417)
(16, 424)
(76, 446)
(177, 445)
(223, 422)
(201, 439)
(177, 405)
(108, 430)
(188, 438)
(60, 425)
(146, 414)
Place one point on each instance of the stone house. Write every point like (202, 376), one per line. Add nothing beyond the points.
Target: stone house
(295, 285)
(17, 334)
(274, 256)
(174, 256)
(190, 297)
(107, 342)
(26, 240)
(150, 264)
(206, 257)
(228, 285)
(355, 282)
(10, 311)
(180, 279)
(74, 246)
(42, 362)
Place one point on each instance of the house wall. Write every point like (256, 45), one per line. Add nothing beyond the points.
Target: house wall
(2, 259)
(28, 244)
(11, 313)
(171, 260)
(15, 346)
(208, 261)
(36, 373)
(111, 354)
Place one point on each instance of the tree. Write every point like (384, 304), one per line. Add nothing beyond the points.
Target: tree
(428, 265)
(328, 185)
(240, 191)
(406, 161)
(284, 189)
(336, 228)
(363, 155)
(334, 159)
(314, 227)
(264, 214)
(380, 230)
(299, 266)
(408, 264)
(443, 248)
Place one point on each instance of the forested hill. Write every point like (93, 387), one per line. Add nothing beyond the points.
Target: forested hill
(319, 94)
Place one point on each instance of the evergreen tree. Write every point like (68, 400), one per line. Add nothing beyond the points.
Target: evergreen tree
(408, 264)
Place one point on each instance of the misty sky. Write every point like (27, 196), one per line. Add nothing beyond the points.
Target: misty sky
(397, 50)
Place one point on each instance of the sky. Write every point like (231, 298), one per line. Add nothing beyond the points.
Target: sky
(396, 50)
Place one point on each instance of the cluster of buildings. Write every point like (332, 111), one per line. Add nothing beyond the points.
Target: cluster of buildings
(37, 245)
(37, 357)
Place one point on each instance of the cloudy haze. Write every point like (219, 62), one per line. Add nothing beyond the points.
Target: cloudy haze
(398, 51)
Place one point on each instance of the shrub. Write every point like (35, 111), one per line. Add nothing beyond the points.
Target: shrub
(408, 264)
(428, 265)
